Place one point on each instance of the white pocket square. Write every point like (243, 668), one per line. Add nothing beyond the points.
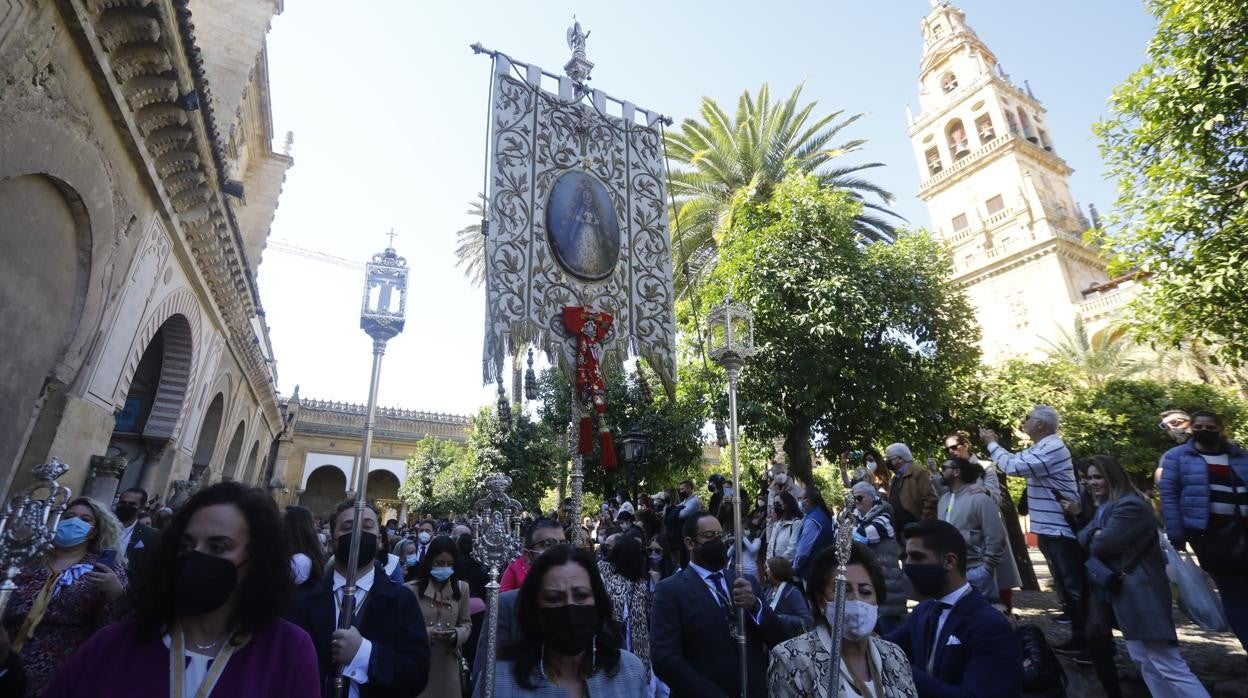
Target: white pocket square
(953, 640)
(138, 545)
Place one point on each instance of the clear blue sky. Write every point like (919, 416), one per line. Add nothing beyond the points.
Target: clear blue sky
(388, 106)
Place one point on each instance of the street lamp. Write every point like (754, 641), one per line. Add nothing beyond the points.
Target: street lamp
(636, 447)
(382, 315)
(730, 338)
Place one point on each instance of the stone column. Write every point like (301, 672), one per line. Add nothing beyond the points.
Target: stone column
(104, 478)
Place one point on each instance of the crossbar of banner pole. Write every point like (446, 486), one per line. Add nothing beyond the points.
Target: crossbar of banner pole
(479, 49)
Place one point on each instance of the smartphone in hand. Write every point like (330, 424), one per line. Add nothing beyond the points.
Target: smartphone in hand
(108, 557)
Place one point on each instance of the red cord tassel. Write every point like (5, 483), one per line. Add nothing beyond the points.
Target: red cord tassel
(585, 440)
(608, 450)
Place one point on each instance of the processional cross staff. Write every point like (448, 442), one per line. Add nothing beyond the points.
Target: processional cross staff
(844, 543)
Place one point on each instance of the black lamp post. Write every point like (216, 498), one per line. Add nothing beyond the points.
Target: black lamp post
(636, 447)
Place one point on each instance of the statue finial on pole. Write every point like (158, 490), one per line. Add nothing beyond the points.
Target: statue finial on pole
(579, 67)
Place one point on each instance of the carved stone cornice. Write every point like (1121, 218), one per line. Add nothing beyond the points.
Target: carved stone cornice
(147, 60)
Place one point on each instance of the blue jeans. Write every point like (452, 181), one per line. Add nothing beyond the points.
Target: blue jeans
(1233, 588)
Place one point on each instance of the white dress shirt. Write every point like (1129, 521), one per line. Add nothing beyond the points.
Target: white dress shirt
(357, 669)
(126, 534)
(705, 574)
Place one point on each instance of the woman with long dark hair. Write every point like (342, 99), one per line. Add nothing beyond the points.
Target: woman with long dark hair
(444, 605)
(565, 635)
(624, 575)
(209, 619)
(307, 559)
(782, 539)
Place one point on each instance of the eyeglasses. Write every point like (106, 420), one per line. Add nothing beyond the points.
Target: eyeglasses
(952, 447)
(1176, 423)
(858, 498)
(1206, 428)
(547, 543)
(709, 535)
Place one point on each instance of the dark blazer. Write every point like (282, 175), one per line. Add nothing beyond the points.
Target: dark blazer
(391, 620)
(142, 543)
(793, 610)
(985, 661)
(691, 649)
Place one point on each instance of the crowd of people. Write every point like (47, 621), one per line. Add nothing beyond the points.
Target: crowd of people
(228, 596)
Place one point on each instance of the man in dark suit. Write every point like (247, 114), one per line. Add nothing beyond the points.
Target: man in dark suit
(691, 643)
(386, 651)
(136, 539)
(958, 645)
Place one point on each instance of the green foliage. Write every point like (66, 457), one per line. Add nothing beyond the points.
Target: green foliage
(431, 457)
(1177, 142)
(454, 489)
(725, 155)
(856, 342)
(1118, 417)
(674, 426)
(529, 452)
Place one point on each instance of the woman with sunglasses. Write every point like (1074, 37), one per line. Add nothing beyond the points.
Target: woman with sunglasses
(873, 527)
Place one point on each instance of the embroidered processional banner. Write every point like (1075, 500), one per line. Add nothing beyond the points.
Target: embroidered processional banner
(578, 219)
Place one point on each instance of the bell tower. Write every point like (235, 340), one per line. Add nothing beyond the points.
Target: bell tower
(997, 192)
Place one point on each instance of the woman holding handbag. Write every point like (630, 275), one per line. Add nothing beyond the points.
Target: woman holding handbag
(1126, 566)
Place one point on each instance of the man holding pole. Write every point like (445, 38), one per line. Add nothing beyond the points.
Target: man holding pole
(384, 652)
(692, 646)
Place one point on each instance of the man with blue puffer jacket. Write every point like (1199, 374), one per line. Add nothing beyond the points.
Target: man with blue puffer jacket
(1204, 500)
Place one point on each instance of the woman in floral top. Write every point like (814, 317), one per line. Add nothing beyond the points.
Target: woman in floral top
(66, 595)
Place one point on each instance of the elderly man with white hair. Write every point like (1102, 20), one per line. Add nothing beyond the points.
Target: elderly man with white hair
(1050, 476)
(910, 493)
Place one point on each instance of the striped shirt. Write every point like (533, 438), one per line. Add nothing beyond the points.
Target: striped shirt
(1228, 495)
(1047, 467)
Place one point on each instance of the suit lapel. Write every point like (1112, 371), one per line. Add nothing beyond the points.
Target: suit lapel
(951, 624)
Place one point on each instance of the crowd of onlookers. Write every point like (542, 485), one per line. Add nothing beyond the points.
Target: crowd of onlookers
(230, 596)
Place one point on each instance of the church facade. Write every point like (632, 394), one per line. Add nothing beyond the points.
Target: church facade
(137, 186)
(998, 193)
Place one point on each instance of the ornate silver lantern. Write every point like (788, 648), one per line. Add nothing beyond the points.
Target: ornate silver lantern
(495, 545)
(382, 316)
(28, 523)
(730, 339)
(636, 448)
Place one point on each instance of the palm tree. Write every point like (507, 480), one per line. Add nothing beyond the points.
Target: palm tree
(1097, 360)
(723, 155)
(470, 244)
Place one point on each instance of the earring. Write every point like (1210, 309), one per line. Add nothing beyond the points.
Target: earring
(541, 662)
(593, 661)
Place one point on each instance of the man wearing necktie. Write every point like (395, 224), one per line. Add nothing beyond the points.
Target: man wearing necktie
(693, 644)
(958, 645)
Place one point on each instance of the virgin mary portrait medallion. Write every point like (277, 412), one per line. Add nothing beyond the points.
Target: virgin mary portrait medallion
(582, 226)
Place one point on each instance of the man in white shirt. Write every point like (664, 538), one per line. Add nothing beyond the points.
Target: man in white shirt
(136, 539)
(384, 652)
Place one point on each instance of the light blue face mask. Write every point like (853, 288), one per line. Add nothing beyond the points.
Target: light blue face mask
(71, 532)
(441, 573)
(411, 560)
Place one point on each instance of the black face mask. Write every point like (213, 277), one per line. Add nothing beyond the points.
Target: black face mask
(684, 495)
(569, 630)
(368, 549)
(1208, 439)
(126, 511)
(713, 554)
(928, 579)
(202, 583)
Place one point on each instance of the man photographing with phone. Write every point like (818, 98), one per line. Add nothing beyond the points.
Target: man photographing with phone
(1050, 474)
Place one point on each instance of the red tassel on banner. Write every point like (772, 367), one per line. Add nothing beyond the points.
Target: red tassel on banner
(608, 450)
(585, 441)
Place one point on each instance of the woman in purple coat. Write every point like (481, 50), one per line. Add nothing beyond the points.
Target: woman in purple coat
(208, 610)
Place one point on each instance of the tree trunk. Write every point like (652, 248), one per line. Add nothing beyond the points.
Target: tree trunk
(797, 448)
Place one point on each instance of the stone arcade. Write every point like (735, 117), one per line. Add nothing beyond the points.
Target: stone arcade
(137, 186)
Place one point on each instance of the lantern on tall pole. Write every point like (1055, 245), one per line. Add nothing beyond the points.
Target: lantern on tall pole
(382, 315)
(28, 523)
(730, 338)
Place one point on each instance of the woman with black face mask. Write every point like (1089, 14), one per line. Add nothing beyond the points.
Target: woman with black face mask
(624, 574)
(565, 635)
(207, 609)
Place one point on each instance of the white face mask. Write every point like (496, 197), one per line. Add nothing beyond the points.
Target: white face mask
(424, 537)
(871, 466)
(860, 619)
(781, 478)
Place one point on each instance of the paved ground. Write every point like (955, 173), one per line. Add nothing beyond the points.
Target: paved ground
(1216, 658)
